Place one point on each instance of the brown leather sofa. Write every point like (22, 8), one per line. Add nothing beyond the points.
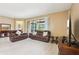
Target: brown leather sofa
(14, 37)
(39, 36)
(7, 32)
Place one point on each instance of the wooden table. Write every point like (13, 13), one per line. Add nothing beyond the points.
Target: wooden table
(64, 49)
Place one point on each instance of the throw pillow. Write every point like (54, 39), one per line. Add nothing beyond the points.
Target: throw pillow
(18, 32)
(34, 33)
(45, 33)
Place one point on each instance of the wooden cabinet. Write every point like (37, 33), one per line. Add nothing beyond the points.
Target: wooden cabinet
(64, 49)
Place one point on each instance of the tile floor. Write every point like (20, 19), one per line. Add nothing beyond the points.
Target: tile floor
(27, 47)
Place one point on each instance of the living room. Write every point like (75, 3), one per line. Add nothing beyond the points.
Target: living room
(37, 29)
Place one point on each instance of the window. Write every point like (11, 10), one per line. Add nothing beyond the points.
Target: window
(38, 24)
(41, 25)
(33, 27)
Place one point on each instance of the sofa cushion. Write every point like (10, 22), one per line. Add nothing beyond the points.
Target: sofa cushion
(34, 33)
(45, 33)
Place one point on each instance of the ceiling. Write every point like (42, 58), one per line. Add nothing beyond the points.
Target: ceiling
(27, 10)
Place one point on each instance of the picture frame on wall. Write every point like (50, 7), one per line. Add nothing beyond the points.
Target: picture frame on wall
(5, 26)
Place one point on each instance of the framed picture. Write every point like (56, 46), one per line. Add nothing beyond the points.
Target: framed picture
(5, 26)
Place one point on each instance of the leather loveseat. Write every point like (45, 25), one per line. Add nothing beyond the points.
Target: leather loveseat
(14, 37)
(39, 36)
